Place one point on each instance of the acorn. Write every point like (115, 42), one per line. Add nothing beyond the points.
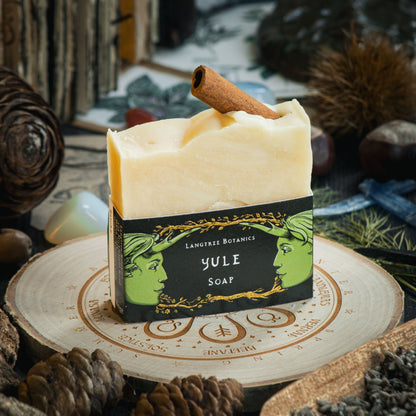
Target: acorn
(15, 246)
(389, 151)
(323, 151)
(31, 146)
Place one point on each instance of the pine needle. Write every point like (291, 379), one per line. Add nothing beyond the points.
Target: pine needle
(324, 196)
(364, 228)
(371, 228)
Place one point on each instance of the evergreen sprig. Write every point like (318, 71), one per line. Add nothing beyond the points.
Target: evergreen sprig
(370, 227)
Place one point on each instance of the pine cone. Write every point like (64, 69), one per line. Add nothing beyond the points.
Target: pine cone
(10, 406)
(31, 146)
(74, 383)
(9, 339)
(9, 345)
(192, 396)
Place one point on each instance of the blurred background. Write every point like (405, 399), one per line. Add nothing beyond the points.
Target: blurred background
(70, 70)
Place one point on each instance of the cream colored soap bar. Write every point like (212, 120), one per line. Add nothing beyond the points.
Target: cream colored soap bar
(210, 161)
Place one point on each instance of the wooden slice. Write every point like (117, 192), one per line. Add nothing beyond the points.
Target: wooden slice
(61, 299)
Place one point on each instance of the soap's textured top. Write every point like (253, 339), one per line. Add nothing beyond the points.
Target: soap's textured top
(210, 161)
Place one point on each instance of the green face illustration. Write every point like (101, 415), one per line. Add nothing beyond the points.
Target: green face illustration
(292, 261)
(145, 283)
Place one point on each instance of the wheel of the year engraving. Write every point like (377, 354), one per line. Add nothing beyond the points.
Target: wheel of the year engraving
(60, 299)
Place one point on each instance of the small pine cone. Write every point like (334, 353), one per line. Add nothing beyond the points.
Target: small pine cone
(192, 396)
(10, 406)
(9, 339)
(9, 345)
(73, 383)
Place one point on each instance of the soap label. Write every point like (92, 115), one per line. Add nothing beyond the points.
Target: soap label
(211, 262)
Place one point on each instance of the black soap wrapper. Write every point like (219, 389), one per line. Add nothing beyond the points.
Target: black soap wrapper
(207, 262)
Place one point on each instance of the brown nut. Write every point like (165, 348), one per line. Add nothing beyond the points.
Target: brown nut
(323, 151)
(389, 151)
(15, 246)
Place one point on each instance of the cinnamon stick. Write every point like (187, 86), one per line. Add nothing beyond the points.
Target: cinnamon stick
(222, 95)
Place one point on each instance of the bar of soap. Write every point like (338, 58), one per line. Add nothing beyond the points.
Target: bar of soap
(210, 161)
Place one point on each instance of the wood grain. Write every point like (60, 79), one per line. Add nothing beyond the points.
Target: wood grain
(61, 299)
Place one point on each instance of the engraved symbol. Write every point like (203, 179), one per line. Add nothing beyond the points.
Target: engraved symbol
(81, 329)
(163, 329)
(268, 317)
(169, 326)
(277, 318)
(223, 331)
